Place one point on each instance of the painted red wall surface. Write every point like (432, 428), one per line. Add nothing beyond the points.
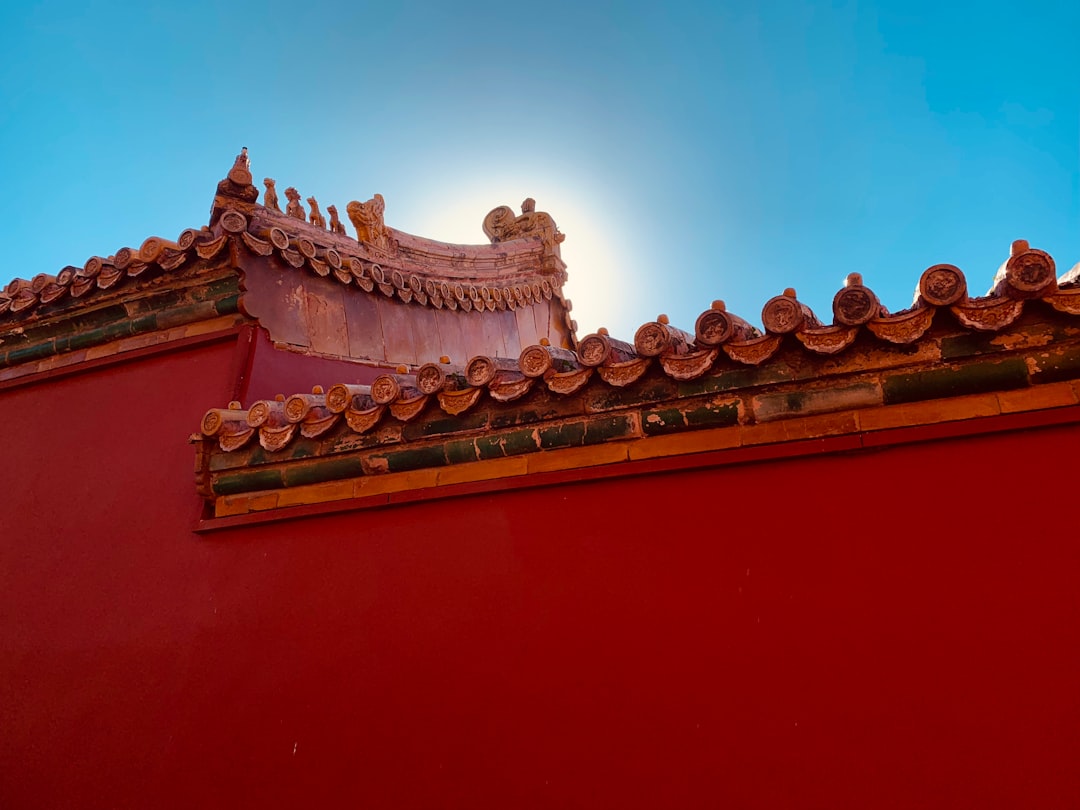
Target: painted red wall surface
(889, 629)
(271, 371)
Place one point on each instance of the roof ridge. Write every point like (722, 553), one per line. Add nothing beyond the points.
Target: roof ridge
(520, 267)
(677, 355)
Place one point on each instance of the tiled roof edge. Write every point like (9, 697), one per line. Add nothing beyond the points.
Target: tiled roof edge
(22, 299)
(312, 486)
(685, 360)
(522, 265)
(349, 263)
(522, 269)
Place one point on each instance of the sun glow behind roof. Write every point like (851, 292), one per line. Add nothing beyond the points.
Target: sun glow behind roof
(595, 251)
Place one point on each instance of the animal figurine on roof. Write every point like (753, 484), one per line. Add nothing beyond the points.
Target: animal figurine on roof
(367, 217)
(336, 225)
(294, 208)
(270, 198)
(317, 218)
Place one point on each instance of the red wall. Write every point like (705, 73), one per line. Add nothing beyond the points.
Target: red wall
(271, 371)
(888, 629)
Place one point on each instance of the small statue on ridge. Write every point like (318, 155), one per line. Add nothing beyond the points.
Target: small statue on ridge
(294, 208)
(368, 219)
(317, 218)
(270, 197)
(501, 225)
(335, 223)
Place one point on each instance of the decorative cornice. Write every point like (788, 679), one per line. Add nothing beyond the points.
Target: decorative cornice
(76, 287)
(720, 344)
(512, 274)
(520, 268)
(418, 271)
(325, 485)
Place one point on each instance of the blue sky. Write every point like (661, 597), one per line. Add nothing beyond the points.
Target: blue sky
(689, 152)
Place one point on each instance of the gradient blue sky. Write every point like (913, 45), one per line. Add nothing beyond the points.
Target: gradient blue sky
(689, 151)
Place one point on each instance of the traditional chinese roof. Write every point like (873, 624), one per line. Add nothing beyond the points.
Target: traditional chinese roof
(383, 297)
(725, 378)
(23, 300)
(492, 383)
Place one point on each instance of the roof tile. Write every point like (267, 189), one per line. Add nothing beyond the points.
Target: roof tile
(666, 351)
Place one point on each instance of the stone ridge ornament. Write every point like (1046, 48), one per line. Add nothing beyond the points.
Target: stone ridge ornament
(294, 209)
(240, 173)
(270, 198)
(237, 182)
(501, 225)
(335, 222)
(367, 218)
(316, 218)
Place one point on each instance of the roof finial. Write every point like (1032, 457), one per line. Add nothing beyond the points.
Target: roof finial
(367, 218)
(501, 225)
(240, 173)
(236, 185)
